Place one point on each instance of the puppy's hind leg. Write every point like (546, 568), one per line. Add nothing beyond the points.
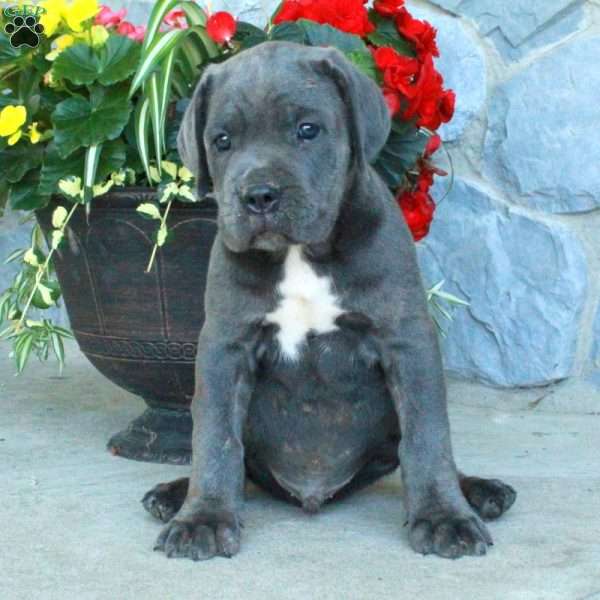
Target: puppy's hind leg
(490, 498)
(164, 500)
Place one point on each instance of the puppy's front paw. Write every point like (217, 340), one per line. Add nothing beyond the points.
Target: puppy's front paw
(450, 535)
(201, 537)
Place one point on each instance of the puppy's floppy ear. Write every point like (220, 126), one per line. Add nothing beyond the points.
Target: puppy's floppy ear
(369, 115)
(190, 139)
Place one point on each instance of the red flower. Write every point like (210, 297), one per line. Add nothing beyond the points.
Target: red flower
(386, 57)
(176, 19)
(425, 96)
(398, 71)
(134, 32)
(420, 33)
(433, 145)
(447, 105)
(108, 17)
(388, 8)
(221, 27)
(346, 15)
(417, 208)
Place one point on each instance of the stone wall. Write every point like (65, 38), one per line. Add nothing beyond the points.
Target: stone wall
(518, 233)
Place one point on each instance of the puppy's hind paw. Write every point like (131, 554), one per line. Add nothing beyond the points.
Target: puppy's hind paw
(490, 498)
(164, 500)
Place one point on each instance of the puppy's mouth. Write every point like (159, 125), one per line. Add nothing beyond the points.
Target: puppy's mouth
(270, 241)
(266, 235)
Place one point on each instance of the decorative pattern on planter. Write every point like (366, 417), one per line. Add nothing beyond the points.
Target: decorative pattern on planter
(180, 352)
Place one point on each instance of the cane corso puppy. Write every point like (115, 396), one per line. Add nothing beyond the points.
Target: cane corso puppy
(318, 368)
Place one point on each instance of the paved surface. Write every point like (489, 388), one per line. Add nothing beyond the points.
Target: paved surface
(72, 525)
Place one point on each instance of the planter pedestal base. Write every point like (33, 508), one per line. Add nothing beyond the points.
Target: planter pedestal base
(158, 435)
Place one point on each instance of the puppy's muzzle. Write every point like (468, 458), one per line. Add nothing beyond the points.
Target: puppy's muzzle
(261, 199)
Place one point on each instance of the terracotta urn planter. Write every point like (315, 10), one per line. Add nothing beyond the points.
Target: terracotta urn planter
(139, 329)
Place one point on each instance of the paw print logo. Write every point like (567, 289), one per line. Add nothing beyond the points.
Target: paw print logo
(24, 31)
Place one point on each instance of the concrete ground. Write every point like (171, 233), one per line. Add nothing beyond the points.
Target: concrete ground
(72, 525)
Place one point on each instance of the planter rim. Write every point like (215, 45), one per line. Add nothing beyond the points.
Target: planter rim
(129, 197)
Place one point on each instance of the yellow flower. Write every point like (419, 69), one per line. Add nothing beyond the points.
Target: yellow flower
(34, 134)
(59, 44)
(74, 14)
(12, 119)
(98, 35)
(14, 138)
(79, 11)
(53, 16)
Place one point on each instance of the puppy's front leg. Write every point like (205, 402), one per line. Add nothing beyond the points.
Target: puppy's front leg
(439, 517)
(208, 524)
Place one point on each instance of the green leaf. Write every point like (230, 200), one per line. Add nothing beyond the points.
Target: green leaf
(195, 15)
(155, 112)
(26, 195)
(79, 122)
(161, 8)
(164, 90)
(8, 54)
(14, 256)
(326, 35)
(58, 347)
(386, 34)
(148, 210)
(142, 125)
(364, 62)
(23, 351)
(63, 332)
(56, 168)
(248, 35)
(290, 31)
(162, 236)
(308, 32)
(19, 159)
(404, 146)
(79, 64)
(154, 55)
(193, 56)
(92, 158)
(119, 59)
(162, 46)
(59, 216)
(29, 81)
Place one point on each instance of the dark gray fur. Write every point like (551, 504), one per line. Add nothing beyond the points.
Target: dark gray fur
(362, 399)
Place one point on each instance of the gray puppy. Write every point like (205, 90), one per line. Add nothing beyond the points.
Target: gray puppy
(318, 368)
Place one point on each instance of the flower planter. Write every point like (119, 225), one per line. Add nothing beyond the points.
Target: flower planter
(139, 329)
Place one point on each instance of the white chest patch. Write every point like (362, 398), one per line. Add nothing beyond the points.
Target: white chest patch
(307, 304)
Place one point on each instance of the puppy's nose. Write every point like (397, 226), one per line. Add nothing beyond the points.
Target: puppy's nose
(261, 199)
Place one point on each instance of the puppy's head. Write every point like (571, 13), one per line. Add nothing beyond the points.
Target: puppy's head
(280, 130)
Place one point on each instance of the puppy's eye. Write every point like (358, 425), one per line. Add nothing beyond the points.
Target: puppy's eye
(222, 142)
(308, 131)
